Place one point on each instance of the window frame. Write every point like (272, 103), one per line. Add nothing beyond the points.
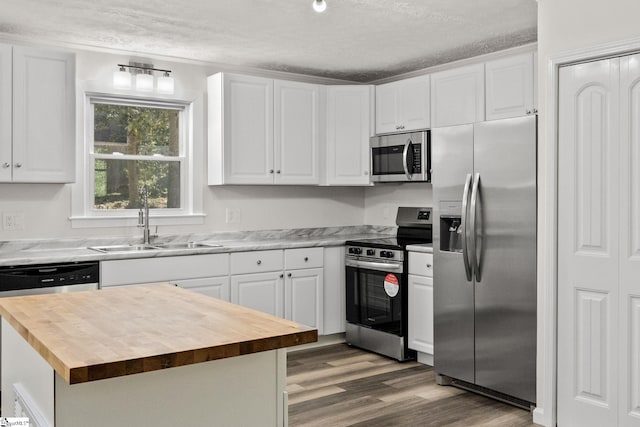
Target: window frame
(84, 213)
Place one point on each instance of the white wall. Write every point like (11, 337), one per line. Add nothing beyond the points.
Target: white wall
(564, 26)
(382, 201)
(47, 207)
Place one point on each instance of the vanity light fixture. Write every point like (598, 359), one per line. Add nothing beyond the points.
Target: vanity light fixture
(319, 5)
(144, 79)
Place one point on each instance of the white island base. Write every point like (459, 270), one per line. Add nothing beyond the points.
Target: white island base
(247, 390)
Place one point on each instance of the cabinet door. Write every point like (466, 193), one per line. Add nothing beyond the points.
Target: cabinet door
(348, 117)
(387, 119)
(44, 137)
(303, 297)
(414, 103)
(248, 130)
(262, 291)
(334, 291)
(509, 86)
(296, 113)
(457, 96)
(216, 287)
(420, 313)
(5, 113)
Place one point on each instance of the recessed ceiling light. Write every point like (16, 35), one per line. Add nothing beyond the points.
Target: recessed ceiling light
(319, 5)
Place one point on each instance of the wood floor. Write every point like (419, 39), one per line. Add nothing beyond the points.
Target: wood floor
(338, 385)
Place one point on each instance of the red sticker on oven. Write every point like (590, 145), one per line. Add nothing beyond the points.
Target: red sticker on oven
(391, 286)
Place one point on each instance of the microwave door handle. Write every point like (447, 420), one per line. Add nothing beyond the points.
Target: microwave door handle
(405, 156)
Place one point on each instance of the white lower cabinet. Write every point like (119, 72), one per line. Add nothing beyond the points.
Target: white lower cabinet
(303, 300)
(420, 284)
(216, 287)
(334, 307)
(260, 291)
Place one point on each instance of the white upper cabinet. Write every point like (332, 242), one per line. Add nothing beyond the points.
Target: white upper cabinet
(38, 128)
(403, 106)
(296, 130)
(240, 129)
(348, 129)
(457, 96)
(262, 131)
(510, 87)
(5, 114)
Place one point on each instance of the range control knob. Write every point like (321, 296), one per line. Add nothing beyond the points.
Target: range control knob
(355, 251)
(371, 252)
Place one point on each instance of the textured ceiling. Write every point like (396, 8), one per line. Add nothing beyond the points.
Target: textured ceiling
(357, 40)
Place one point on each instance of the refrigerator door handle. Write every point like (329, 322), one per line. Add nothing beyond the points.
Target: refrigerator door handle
(405, 155)
(465, 234)
(474, 232)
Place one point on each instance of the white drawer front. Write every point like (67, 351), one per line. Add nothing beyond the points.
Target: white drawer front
(160, 269)
(303, 258)
(256, 261)
(421, 264)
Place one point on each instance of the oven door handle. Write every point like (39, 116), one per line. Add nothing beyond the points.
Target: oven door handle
(391, 267)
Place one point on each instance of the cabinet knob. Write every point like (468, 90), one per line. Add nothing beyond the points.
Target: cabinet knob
(281, 276)
(366, 173)
(528, 111)
(5, 165)
(270, 170)
(259, 262)
(428, 265)
(18, 165)
(306, 259)
(535, 111)
(278, 171)
(289, 275)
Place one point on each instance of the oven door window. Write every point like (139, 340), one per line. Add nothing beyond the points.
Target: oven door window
(369, 304)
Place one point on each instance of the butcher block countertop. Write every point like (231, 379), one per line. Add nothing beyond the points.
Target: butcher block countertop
(94, 335)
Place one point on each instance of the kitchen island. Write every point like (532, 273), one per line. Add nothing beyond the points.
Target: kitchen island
(102, 358)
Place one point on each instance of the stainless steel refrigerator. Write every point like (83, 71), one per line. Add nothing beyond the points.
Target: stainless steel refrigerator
(484, 241)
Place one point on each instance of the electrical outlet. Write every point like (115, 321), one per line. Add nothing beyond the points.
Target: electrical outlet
(13, 221)
(233, 216)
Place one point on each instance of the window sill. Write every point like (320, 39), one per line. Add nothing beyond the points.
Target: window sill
(132, 221)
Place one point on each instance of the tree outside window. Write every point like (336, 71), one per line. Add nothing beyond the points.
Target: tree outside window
(135, 145)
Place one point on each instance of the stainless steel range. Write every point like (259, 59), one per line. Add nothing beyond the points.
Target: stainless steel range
(376, 282)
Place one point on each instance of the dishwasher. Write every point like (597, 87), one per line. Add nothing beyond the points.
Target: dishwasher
(37, 279)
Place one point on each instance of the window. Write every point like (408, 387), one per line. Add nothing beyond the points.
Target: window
(130, 143)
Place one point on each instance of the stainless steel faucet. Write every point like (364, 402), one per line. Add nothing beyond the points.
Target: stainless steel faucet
(143, 213)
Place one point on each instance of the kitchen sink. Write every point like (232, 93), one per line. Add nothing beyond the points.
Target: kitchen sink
(187, 245)
(158, 247)
(124, 248)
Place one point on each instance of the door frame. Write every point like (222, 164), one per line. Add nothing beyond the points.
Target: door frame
(546, 411)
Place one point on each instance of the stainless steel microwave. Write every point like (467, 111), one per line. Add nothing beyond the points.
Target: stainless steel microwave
(401, 157)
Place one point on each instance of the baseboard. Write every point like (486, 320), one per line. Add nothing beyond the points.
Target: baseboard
(425, 359)
(323, 340)
(538, 416)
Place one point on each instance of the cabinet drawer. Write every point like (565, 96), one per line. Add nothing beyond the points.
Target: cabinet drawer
(303, 258)
(161, 269)
(256, 261)
(421, 264)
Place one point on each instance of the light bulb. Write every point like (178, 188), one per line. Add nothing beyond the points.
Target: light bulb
(165, 84)
(319, 5)
(144, 82)
(122, 79)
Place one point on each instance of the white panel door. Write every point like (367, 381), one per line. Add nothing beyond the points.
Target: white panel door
(420, 313)
(248, 130)
(588, 242)
(296, 117)
(457, 96)
(262, 291)
(303, 300)
(629, 309)
(348, 117)
(44, 137)
(415, 103)
(5, 113)
(216, 287)
(509, 86)
(387, 108)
